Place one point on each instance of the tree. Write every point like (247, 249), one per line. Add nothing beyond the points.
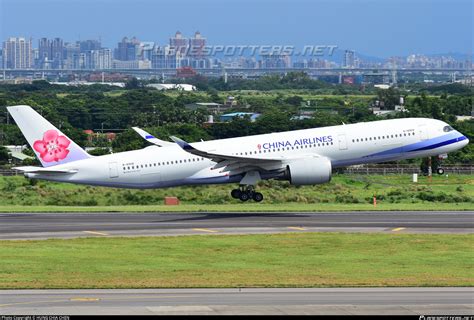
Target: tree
(388, 98)
(133, 83)
(4, 155)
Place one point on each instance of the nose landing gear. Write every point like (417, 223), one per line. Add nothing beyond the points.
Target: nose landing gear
(245, 193)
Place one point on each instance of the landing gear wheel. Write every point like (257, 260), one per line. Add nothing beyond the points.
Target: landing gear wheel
(244, 196)
(440, 171)
(235, 193)
(257, 197)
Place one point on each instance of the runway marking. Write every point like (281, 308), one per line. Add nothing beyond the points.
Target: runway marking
(398, 229)
(297, 228)
(204, 230)
(30, 302)
(84, 299)
(95, 232)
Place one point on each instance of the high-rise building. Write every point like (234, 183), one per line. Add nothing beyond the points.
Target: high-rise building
(50, 54)
(275, 61)
(44, 53)
(349, 59)
(146, 50)
(196, 45)
(165, 58)
(17, 53)
(101, 59)
(89, 45)
(127, 50)
(197, 57)
(57, 52)
(179, 44)
(71, 55)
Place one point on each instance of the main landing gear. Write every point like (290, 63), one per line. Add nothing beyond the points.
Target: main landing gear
(245, 193)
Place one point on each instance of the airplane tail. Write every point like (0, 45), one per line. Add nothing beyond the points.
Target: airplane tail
(51, 146)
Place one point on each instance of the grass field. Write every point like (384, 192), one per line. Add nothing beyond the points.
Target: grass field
(279, 260)
(344, 192)
(248, 207)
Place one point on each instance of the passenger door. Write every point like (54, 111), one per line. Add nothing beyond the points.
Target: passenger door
(423, 132)
(113, 170)
(342, 141)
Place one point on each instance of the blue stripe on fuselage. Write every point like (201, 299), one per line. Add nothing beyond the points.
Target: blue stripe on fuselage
(440, 144)
(422, 145)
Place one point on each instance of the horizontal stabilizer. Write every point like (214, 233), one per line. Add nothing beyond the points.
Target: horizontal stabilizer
(31, 169)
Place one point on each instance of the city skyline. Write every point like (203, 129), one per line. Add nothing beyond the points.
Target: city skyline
(194, 51)
(422, 27)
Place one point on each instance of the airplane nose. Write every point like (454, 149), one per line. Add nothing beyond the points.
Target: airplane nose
(464, 140)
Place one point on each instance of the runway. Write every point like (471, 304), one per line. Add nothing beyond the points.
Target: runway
(309, 301)
(342, 301)
(72, 225)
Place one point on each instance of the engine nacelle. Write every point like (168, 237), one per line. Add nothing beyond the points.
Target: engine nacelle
(309, 170)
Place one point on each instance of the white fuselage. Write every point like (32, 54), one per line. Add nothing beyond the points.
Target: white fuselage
(344, 145)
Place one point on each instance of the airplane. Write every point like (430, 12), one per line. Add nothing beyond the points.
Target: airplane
(303, 157)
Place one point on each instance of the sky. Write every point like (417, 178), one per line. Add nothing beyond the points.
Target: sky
(379, 28)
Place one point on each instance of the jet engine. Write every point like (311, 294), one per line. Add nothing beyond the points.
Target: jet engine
(309, 170)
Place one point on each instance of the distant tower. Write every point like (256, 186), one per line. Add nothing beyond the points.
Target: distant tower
(17, 53)
(394, 76)
(349, 59)
(127, 49)
(179, 44)
(197, 45)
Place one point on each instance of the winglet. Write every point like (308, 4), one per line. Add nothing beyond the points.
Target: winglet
(150, 138)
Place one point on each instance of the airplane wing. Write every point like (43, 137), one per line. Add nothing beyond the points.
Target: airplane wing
(31, 169)
(150, 138)
(233, 163)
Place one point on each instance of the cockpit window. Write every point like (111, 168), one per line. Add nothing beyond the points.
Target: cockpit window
(448, 128)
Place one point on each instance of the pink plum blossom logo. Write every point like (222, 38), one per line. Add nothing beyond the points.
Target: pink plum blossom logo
(259, 146)
(53, 147)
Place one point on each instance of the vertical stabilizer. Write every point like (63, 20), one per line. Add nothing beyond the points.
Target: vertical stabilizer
(51, 146)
